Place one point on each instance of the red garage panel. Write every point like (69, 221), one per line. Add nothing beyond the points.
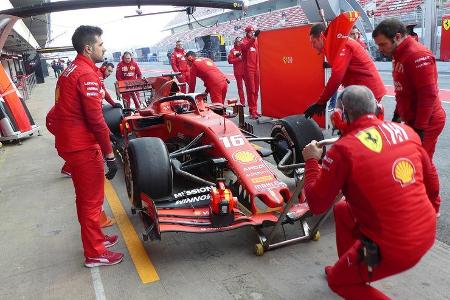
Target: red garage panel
(8, 93)
(291, 72)
(445, 38)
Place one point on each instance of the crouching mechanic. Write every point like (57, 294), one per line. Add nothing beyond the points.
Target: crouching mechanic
(82, 140)
(104, 72)
(386, 222)
(215, 81)
(353, 66)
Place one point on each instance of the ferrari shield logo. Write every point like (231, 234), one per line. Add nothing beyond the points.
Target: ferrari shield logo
(169, 126)
(447, 24)
(371, 138)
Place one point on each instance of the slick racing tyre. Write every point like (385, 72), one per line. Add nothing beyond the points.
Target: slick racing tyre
(113, 118)
(150, 170)
(293, 133)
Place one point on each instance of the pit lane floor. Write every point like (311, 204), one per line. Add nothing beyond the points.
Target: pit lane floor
(41, 255)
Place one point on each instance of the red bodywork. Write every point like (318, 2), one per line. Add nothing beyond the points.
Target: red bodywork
(254, 174)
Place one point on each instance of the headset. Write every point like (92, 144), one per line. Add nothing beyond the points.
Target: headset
(340, 120)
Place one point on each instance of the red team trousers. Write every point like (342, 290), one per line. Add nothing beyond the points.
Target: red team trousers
(88, 178)
(349, 276)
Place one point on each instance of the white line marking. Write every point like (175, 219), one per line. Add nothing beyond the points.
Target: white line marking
(98, 284)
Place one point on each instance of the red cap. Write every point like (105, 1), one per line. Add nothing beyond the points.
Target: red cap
(249, 28)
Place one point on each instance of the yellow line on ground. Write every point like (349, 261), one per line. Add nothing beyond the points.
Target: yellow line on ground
(141, 261)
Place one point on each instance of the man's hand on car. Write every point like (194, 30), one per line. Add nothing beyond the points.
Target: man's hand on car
(312, 151)
(315, 109)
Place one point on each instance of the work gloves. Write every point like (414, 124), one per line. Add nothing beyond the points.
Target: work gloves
(112, 168)
(419, 132)
(315, 109)
(117, 105)
(238, 54)
(257, 32)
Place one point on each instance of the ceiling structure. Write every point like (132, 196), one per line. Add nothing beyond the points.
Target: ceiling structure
(39, 27)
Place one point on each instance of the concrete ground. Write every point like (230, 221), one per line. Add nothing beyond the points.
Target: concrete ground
(41, 255)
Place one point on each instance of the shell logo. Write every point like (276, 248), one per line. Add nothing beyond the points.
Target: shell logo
(209, 63)
(404, 172)
(244, 156)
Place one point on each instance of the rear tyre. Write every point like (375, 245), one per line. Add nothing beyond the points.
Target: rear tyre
(113, 118)
(150, 171)
(293, 133)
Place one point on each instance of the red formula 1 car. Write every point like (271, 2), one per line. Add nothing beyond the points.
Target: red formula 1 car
(230, 184)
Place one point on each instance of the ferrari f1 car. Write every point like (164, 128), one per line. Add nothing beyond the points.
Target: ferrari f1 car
(230, 182)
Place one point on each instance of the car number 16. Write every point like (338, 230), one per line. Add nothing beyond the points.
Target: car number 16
(232, 141)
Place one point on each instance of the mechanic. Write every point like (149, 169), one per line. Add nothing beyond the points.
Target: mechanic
(415, 81)
(411, 32)
(356, 35)
(352, 66)
(82, 140)
(179, 64)
(128, 69)
(215, 81)
(235, 58)
(387, 222)
(105, 71)
(249, 48)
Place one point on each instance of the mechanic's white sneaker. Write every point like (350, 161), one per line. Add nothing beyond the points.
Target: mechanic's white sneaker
(110, 240)
(106, 259)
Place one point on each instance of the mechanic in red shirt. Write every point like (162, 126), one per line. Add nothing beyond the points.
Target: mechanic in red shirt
(383, 172)
(179, 64)
(82, 140)
(415, 82)
(128, 69)
(353, 66)
(249, 48)
(235, 58)
(215, 81)
(105, 71)
(356, 35)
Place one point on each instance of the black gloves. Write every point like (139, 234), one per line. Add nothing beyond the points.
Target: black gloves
(315, 109)
(117, 105)
(257, 32)
(419, 132)
(238, 54)
(326, 65)
(112, 168)
(227, 80)
(396, 118)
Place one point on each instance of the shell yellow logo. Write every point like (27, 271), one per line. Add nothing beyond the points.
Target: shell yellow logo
(209, 63)
(371, 138)
(404, 172)
(169, 126)
(244, 156)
